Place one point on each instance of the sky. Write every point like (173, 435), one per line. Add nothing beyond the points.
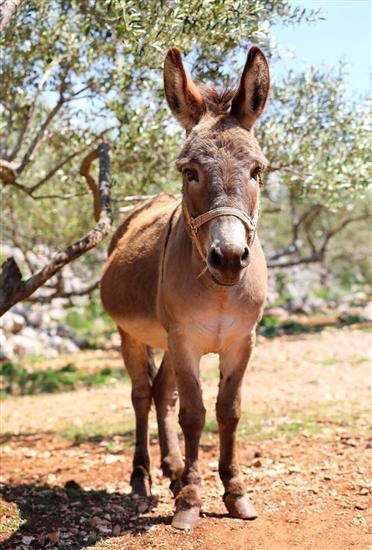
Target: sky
(345, 34)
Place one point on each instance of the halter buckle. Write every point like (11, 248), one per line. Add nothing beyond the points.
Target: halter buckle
(194, 228)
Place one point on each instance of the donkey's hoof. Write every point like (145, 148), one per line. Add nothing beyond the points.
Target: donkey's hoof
(141, 482)
(188, 507)
(239, 506)
(186, 517)
(141, 487)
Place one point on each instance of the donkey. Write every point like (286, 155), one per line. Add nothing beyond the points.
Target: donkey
(189, 277)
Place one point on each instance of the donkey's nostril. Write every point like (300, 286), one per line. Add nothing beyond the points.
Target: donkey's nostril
(244, 259)
(215, 257)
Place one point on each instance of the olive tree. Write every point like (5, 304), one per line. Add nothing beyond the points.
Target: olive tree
(77, 72)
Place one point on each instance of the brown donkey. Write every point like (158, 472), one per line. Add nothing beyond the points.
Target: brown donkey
(189, 277)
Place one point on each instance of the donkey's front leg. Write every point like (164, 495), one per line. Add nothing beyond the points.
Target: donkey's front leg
(232, 366)
(191, 418)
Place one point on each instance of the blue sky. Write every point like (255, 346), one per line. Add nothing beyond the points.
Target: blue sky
(345, 34)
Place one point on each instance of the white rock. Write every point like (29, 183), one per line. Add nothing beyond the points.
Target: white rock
(6, 347)
(12, 322)
(26, 345)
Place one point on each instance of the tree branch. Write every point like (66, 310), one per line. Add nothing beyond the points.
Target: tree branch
(68, 159)
(13, 289)
(9, 174)
(60, 293)
(49, 69)
(40, 134)
(306, 260)
(317, 254)
(292, 248)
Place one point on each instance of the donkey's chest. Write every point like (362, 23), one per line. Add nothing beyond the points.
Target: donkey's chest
(214, 330)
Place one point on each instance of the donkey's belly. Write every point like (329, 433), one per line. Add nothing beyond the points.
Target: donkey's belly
(147, 331)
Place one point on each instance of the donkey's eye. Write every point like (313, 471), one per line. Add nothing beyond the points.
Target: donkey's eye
(191, 175)
(256, 174)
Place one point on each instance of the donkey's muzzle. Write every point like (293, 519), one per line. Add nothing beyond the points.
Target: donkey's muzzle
(228, 260)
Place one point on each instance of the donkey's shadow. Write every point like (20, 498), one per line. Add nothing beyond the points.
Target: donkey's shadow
(71, 517)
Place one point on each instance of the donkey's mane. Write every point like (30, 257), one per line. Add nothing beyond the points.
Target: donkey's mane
(218, 102)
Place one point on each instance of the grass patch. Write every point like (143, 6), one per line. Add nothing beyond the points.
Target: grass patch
(16, 380)
(266, 425)
(90, 323)
(11, 517)
(87, 432)
(96, 433)
(271, 326)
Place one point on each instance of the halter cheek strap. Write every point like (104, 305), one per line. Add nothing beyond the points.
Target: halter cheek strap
(193, 224)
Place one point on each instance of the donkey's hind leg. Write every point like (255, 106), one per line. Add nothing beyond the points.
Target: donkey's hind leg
(164, 391)
(138, 362)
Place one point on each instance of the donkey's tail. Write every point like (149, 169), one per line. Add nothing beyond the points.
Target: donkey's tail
(152, 369)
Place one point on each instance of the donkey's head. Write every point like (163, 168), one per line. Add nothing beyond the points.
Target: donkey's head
(220, 161)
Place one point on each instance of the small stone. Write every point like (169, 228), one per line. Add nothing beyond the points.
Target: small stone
(30, 453)
(213, 465)
(104, 529)
(111, 459)
(95, 521)
(349, 442)
(116, 530)
(293, 520)
(294, 469)
(27, 540)
(54, 537)
(256, 462)
(361, 506)
(142, 507)
(364, 491)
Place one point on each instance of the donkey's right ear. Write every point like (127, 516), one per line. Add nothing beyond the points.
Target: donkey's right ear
(184, 99)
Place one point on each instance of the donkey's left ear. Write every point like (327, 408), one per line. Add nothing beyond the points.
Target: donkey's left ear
(251, 95)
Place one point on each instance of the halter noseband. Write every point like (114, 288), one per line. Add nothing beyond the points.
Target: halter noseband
(193, 224)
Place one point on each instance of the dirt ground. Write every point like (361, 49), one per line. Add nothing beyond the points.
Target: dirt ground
(304, 449)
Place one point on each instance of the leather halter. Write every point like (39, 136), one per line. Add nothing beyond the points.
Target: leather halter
(193, 224)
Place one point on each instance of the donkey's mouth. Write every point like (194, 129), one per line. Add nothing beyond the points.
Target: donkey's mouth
(221, 283)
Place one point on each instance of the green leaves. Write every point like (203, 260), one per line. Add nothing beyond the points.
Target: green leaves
(318, 139)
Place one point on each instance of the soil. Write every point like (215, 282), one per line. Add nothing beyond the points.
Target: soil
(304, 449)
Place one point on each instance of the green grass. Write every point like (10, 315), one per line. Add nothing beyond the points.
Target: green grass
(16, 380)
(10, 525)
(13, 523)
(90, 432)
(91, 323)
(271, 325)
(312, 420)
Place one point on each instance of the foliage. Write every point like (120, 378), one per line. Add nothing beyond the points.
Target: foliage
(77, 70)
(272, 326)
(318, 142)
(90, 323)
(19, 381)
(318, 138)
